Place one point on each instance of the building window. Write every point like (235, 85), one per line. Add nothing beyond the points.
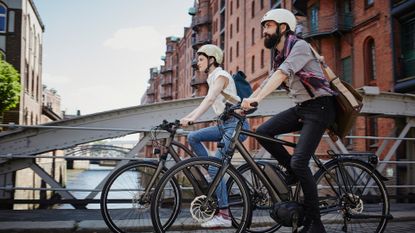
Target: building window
(32, 87)
(262, 58)
(3, 17)
(38, 87)
(347, 69)
(237, 25)
(230, 54)
(369, 3)
(26, 75)
(222, 4)
(253, 64)
(275, 4)
(222, 41)
(262, 32)
(222, 21)
(231, 7)
(237, 4)
(11, 21)
(253, 35)
(230, 31)
(408, 48)
(253, 9)
(237, 49)
(313, 19)
(370, 60)
(262, 4)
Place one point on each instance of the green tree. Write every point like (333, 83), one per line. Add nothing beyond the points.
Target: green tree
(9, 86)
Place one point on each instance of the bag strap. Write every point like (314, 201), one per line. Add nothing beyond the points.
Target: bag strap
(326, 68)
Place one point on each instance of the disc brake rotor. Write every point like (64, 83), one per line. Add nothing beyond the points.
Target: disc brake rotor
(202, 210)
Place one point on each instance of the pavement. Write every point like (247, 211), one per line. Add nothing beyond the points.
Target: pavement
(80, 221)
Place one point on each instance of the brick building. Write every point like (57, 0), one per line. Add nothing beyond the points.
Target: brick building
(21, 39)
(367, 43)
(21, 43)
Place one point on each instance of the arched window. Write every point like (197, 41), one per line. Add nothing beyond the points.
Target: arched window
(237, 49)
(3, 17)
(253, 64)
(262, 58)
(370, 60)
(253, 35)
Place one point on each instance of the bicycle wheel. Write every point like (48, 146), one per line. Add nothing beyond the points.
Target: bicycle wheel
(261, 202)
(124, 205)
(352, 197)
(196, 207)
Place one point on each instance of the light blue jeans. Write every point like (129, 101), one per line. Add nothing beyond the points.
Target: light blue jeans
(221, 133)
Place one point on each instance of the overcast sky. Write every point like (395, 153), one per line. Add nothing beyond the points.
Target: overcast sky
(97, 53)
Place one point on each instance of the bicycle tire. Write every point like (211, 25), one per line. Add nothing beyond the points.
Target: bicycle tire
(191, 194)
(261, 202)
(131, 208)
(345, 212)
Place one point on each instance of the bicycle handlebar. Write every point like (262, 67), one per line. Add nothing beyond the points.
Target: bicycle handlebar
(169, 126)
(230, 109)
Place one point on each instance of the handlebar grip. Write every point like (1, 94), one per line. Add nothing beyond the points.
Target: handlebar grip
(254, 104)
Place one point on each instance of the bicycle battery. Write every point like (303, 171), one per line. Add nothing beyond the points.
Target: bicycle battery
(276, 178)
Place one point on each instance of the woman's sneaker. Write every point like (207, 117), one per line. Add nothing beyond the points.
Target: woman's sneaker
(217, 221)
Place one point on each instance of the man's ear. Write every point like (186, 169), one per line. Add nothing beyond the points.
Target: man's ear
(283, 27)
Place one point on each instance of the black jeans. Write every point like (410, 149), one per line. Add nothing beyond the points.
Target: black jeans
(311, 118)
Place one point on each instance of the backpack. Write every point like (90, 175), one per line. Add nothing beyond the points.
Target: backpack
(243, 88)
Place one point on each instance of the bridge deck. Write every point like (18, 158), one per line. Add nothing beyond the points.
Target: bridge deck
(71, 220)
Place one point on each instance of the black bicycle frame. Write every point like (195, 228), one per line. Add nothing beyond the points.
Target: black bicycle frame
(194, 176)
(237, 144)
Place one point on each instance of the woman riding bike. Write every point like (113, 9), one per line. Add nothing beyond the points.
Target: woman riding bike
(221, 89)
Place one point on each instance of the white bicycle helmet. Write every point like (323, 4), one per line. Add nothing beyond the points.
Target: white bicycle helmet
(212, 51)
(279, 16)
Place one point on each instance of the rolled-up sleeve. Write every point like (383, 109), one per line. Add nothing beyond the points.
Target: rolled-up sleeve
(299, 56)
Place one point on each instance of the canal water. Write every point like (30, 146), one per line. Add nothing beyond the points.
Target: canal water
(85, 179)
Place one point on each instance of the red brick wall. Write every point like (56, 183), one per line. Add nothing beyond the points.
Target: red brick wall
(372, 22)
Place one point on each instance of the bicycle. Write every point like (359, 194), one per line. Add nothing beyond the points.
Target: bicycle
(350, 191)
(127, 193)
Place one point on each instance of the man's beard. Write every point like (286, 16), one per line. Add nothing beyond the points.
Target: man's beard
(272, 40)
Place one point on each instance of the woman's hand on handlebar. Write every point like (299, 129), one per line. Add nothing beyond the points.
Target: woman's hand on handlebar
(249, 103)
(186, 121)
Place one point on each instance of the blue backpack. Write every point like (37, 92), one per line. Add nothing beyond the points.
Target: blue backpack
(243, 88)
